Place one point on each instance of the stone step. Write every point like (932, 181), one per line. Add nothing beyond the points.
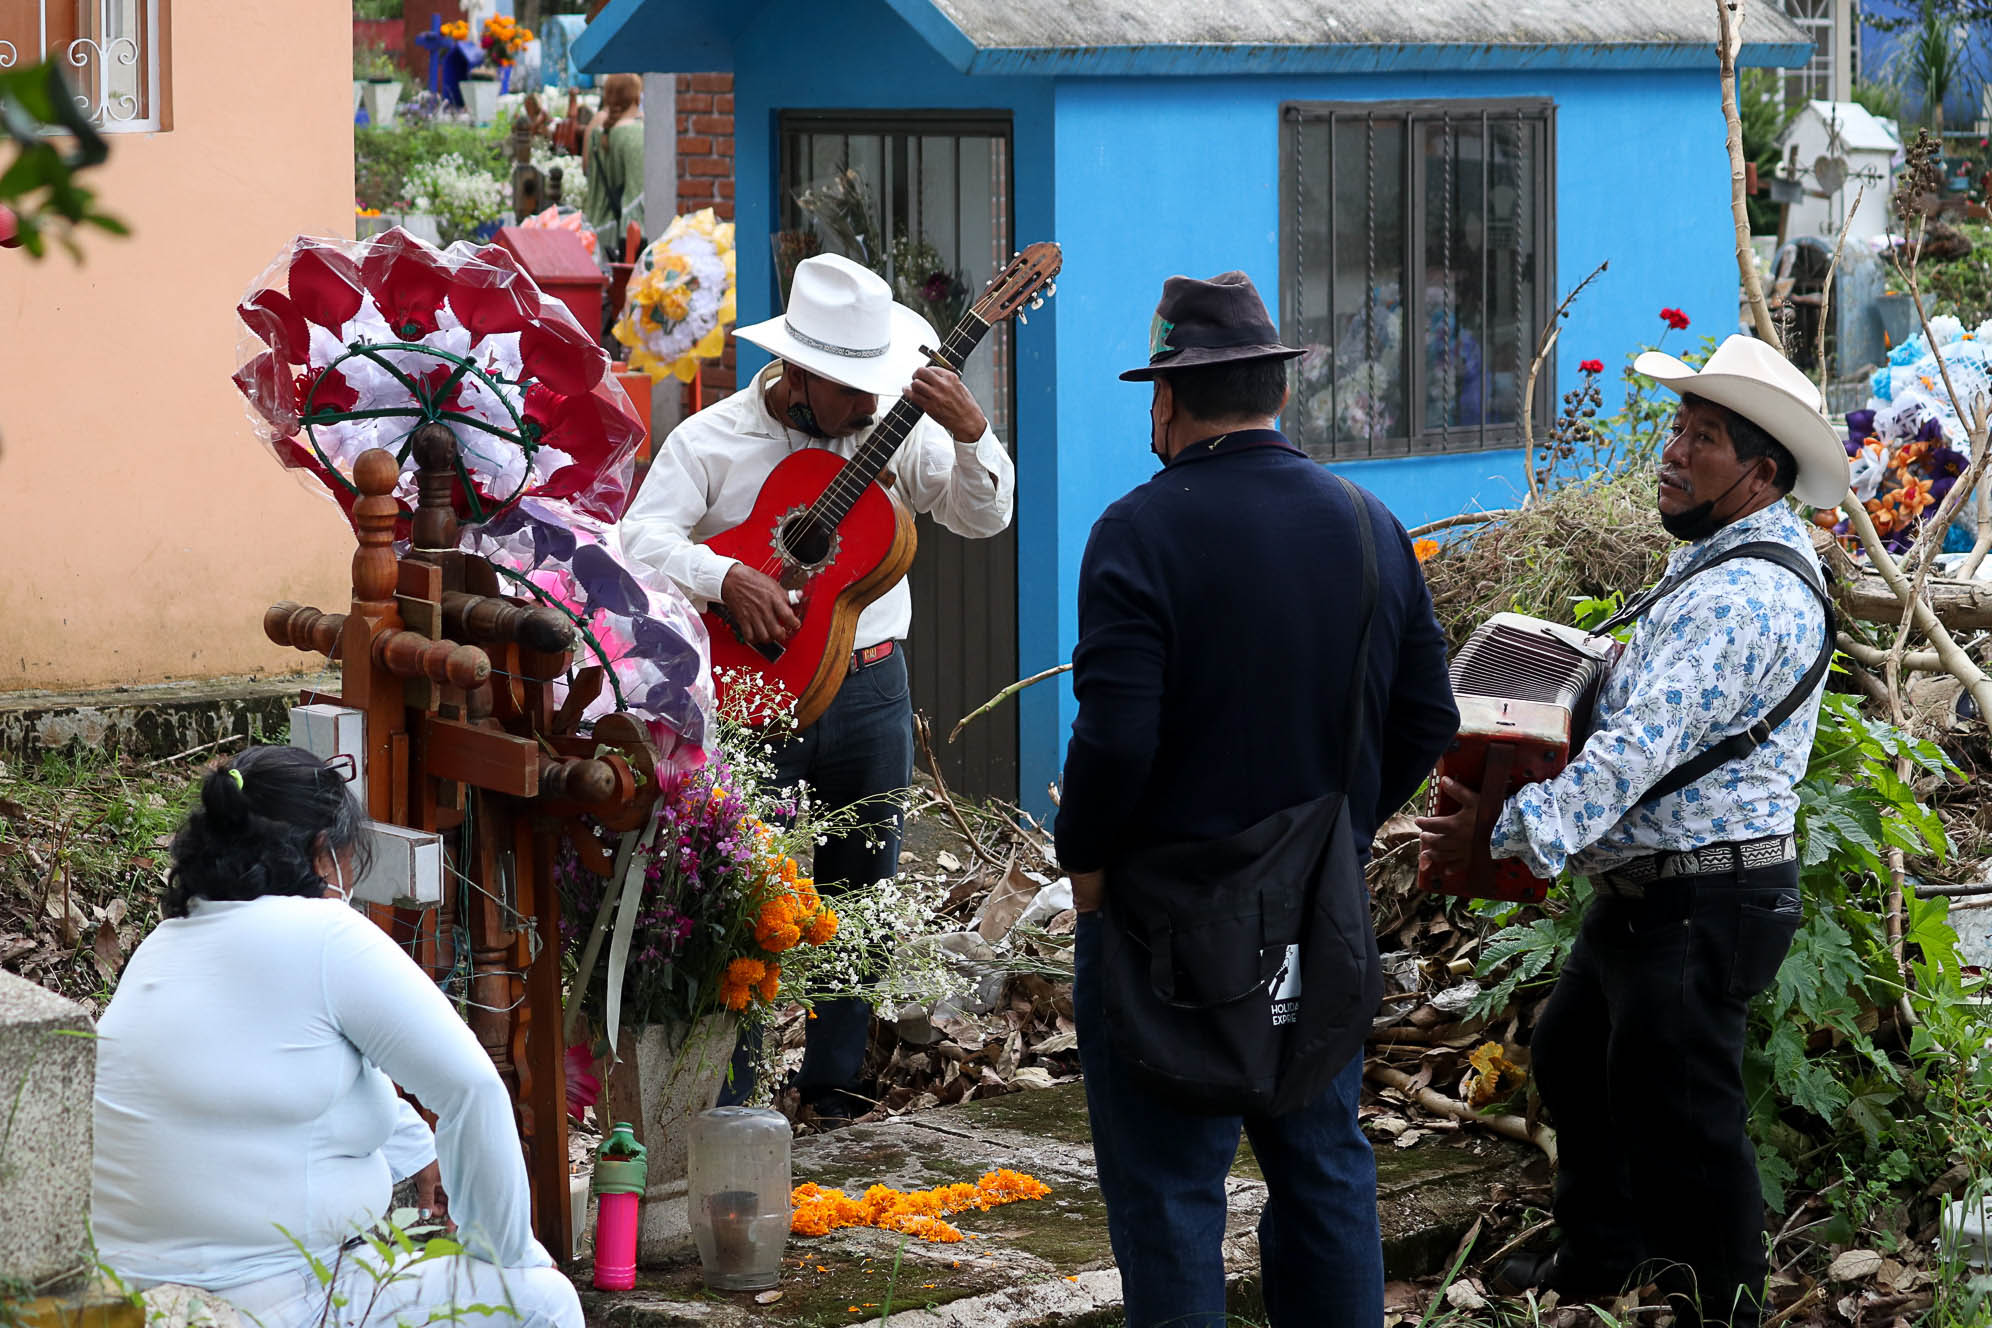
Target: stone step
(1042, 1262)
(151, 722)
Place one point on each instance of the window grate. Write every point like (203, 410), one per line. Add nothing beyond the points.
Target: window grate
(109, 50)
(1418, 265)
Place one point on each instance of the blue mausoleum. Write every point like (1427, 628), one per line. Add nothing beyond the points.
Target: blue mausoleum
(1413, 184)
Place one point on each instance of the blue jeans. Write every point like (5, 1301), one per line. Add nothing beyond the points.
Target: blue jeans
(861, 748)
(1163, 1172)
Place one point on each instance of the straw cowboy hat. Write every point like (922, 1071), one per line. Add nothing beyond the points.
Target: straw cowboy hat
(1209, 322)
(1765, 388)
(842, 323)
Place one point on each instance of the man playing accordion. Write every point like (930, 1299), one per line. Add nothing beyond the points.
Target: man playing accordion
(1680, 808)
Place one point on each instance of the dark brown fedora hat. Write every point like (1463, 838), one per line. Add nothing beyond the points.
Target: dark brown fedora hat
(1209, 322)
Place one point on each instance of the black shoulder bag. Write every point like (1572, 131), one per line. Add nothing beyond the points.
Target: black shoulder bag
(1241, 974)
(1739, 745)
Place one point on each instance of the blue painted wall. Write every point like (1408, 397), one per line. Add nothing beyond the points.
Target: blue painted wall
(1141, 177)
(1162, 176)
(1881, 61)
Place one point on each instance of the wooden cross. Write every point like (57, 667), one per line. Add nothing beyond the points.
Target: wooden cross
(455, 681)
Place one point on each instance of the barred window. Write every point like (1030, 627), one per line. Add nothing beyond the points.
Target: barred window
(1418, 260)
(113, 52)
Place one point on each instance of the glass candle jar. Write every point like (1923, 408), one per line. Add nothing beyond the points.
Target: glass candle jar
(738, 1191)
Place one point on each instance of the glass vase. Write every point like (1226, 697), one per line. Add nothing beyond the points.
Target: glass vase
(738, 1193)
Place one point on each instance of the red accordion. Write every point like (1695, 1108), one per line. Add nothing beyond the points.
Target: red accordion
(1525, 688)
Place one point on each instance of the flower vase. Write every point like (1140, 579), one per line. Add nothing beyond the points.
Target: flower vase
(664, 1076)
(504, 79)
(480, 98)
(380, 96)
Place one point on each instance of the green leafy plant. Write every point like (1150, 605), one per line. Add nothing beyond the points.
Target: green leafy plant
(384, 156)
(53, 142)
(377, 10)
(375, 63)
(390, 1253)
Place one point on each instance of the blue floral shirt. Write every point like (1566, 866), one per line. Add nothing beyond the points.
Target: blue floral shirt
(1703, 663)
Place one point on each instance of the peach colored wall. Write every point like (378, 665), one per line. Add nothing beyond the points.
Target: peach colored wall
(143, 529)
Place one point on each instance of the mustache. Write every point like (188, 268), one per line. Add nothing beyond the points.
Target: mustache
(1678, 479)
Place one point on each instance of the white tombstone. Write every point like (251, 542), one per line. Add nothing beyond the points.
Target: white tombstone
(1845, 153)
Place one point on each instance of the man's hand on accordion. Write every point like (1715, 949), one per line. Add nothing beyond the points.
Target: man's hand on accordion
(1445, 843)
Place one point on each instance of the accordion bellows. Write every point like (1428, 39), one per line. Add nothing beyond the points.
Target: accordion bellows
(1525, 688)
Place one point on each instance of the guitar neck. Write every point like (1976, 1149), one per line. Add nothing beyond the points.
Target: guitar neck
(871, 459)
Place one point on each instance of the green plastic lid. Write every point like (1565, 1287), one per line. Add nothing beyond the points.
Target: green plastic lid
(620, 1167)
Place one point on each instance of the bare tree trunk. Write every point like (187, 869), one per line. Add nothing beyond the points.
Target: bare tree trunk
(1729, 41)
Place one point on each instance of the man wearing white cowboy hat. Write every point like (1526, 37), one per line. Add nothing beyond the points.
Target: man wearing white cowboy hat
(842, 349)
(1680, 809)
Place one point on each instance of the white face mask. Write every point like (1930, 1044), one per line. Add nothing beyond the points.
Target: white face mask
(339, 884)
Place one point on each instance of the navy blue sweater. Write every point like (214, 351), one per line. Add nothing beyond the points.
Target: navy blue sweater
(1219, 605)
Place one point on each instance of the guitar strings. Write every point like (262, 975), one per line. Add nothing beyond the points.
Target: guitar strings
(851, 480)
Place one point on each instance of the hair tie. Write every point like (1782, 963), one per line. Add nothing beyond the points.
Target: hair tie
(235, 775)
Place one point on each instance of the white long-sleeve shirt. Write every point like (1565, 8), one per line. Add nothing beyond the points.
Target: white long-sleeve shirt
(709, 471)
(243, 1084)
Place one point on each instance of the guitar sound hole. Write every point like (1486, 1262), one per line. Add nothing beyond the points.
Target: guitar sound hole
(806, 540)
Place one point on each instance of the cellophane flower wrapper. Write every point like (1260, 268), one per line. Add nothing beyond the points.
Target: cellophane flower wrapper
(680, 298)
(637, 624)
(1907, 448)
(349, 345)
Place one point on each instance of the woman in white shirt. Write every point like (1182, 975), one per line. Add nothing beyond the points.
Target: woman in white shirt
(245, 1104)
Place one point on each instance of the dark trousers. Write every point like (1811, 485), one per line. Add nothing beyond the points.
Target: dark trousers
(860, 749)
(1639, 1058)
(1162, 1173)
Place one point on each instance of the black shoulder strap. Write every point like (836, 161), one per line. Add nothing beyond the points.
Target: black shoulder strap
(1359, 682)
(1739, 745)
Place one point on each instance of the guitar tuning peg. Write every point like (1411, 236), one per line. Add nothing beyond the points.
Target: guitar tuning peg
(1052, 289)
(1023, 317)
(1038, 303)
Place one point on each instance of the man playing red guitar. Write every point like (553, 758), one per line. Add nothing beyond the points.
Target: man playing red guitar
(842, 345)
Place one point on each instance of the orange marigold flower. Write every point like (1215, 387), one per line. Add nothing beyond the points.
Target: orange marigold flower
(805, 893)
(822, 927)
(771, 982)
(1006, 1186)
(745, 972)
(929, 1228)
(733, 995)
(787, 871)
(1424, 548)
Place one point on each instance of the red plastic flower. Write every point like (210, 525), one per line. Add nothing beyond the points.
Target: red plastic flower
(583, 1088)
(596, 433)
(266, 382)
(559, 353)
(324, 285)
(333, 394)
(1591, 366)
(1675, 319)
(407, 282)
(493, 295)
(272, 316)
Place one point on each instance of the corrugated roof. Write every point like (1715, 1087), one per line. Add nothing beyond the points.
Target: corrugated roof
(1063, 24)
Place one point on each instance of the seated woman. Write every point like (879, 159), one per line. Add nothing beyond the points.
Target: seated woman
(244, 1111)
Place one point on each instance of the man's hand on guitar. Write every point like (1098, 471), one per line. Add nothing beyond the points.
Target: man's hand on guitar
(947, 401)
(1445, 843)
(759, 605)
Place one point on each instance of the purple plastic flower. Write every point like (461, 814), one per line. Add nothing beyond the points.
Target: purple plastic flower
(1946, 461)
(1931, 432)
(1860, 424)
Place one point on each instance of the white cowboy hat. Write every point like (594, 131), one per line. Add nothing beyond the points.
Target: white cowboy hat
(842, 323)
(1765, 388)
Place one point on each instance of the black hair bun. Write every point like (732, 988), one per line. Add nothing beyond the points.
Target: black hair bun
(225, 800)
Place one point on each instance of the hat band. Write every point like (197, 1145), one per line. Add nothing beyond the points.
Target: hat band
(1208, 337)
(829, 348)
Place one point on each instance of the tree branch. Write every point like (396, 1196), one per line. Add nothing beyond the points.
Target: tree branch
(1729, 22)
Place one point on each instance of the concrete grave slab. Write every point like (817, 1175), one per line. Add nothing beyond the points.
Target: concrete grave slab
(48, 1071)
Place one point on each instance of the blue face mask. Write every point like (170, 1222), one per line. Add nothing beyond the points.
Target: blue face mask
(803, 415)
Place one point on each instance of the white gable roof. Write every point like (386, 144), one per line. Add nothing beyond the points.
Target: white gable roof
(1856, 128)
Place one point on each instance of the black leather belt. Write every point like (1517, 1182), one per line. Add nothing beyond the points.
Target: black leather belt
(1631, 880)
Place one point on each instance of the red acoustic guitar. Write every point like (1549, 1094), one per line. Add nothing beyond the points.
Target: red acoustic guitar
(824, 528)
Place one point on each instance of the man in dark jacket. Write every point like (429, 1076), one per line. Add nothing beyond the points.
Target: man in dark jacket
(1219, 608)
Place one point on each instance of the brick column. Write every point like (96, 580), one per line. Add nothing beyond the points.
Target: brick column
(705, 179)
